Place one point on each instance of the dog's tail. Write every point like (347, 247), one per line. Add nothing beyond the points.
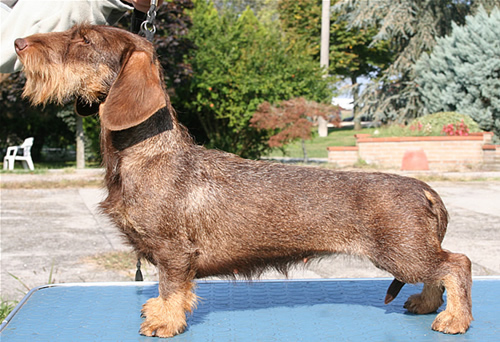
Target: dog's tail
(439, 210)
(393, 290)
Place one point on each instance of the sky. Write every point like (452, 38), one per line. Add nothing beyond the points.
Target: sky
(344, 99)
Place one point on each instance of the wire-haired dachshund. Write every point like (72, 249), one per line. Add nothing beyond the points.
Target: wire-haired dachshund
(195, 212)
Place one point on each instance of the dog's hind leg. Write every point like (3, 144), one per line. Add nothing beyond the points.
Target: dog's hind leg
(454, 275)
(165, 316)
(457, 282)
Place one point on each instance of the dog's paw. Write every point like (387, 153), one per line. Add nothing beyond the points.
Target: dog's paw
(161, 319)
(149, 328)
(451, 324)
(418, 304)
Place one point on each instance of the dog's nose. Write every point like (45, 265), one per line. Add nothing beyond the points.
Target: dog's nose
(20, 44)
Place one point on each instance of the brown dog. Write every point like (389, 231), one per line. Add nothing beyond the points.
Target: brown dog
(194, 212)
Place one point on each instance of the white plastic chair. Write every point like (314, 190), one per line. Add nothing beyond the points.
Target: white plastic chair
(25, 157)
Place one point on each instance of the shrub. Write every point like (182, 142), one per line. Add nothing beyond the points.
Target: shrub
(443, 123)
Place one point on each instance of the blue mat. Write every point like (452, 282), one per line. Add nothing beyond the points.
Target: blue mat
(316, 310)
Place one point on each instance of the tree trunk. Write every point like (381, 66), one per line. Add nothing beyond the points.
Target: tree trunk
(304, 151)
(355, 96)
(80, 143)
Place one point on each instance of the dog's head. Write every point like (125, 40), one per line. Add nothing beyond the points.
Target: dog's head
(108, 70)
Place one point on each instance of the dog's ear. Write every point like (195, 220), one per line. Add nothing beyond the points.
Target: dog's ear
(135, 95)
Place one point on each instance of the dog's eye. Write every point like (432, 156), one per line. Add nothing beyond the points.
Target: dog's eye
(86, 40)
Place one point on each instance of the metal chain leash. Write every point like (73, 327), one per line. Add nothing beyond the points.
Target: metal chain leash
(148, 28)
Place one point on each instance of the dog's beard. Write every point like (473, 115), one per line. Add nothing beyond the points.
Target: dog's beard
(56, 83)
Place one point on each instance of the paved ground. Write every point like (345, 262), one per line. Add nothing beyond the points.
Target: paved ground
(50, 234)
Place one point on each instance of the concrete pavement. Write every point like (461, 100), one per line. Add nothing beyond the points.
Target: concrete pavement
(59, 229)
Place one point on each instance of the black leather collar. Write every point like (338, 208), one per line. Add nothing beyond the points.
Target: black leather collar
(159, 122)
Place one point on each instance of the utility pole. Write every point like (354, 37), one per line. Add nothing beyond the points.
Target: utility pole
(80, 144)
(324, 55)
(325, 35)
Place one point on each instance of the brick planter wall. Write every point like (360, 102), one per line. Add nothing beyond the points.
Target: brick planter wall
(442, 152)
(343, 156)
(491, 155)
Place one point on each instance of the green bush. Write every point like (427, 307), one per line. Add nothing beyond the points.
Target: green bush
(240, 63)
(433, 124)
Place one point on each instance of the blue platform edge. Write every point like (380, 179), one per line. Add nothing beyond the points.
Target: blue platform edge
(264, 310)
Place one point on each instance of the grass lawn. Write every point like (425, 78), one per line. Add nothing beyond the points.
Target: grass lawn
(316, 147)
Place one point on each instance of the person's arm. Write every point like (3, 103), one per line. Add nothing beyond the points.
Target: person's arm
(39, 16)
(143, 5)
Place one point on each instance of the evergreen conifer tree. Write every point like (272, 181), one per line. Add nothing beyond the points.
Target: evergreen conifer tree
(411, 27)
(463, 71)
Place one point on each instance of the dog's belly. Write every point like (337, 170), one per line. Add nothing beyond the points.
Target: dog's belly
(250, 255)
(249, 265)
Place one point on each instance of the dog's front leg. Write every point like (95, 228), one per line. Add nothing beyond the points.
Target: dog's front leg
(165, 316)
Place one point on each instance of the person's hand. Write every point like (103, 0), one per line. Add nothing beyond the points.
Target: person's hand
(142, 5)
